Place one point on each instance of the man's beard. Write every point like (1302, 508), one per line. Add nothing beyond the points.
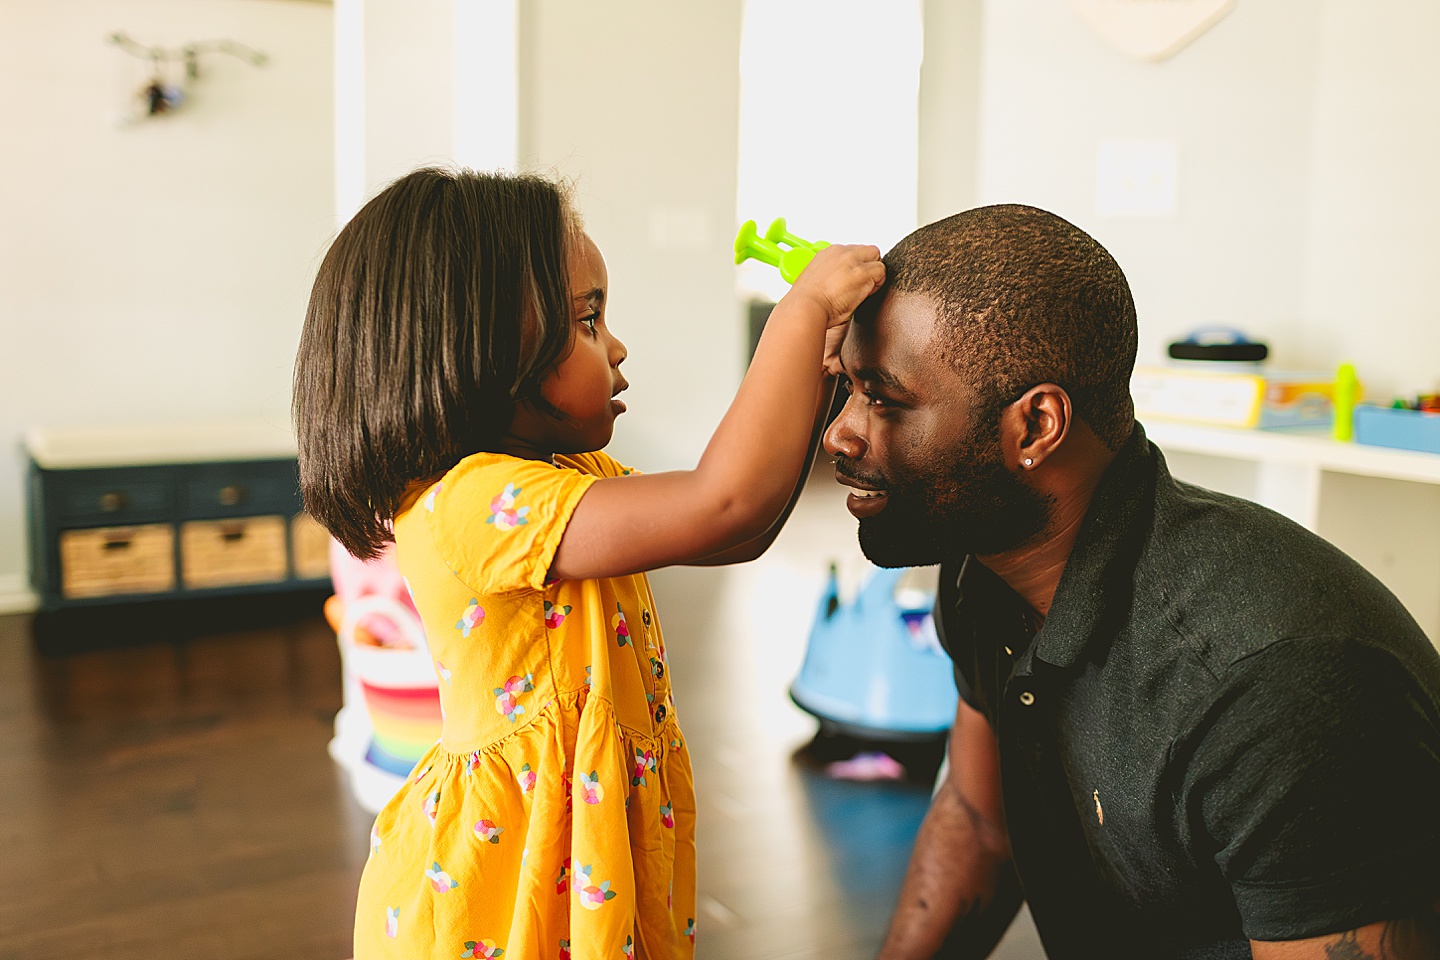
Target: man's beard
(976, 506)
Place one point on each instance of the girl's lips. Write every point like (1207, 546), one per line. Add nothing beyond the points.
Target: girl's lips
(863, 502)
(618, 406)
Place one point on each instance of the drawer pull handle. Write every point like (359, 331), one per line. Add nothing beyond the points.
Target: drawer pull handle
(118, 544)
(114, 501)
(232, 534)
(232, 495)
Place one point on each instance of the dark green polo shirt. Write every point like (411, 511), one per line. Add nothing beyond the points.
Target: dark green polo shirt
(1226, 729)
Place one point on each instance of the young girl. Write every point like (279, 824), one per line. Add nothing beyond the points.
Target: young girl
(455, 384)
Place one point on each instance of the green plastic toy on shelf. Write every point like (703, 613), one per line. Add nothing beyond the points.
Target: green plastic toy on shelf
(778, 247)
(1347, 393)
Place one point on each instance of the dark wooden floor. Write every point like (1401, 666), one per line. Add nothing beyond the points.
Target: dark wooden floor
(171, 797)
(174, 799)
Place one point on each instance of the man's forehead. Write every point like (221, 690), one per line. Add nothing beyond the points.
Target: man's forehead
(899, 331)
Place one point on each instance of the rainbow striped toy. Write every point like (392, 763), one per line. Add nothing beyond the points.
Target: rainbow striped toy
(391, 714)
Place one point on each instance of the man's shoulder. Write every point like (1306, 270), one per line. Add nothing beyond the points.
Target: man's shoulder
(1235, 577)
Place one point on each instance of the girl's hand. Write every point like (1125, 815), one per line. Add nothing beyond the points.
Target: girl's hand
(839, 279)
(834, 339)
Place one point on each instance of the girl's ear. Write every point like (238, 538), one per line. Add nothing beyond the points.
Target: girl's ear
(1034, 426)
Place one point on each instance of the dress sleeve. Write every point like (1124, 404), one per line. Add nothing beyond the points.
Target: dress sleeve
(597, 463)
(498, 520)
(1316, 779)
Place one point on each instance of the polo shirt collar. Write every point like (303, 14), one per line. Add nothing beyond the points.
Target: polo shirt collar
(1094, 593)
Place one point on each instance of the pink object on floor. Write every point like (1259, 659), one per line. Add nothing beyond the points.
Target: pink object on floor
(866, 766)
(364, 578)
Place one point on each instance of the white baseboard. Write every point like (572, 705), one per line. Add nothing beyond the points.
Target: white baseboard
(15, 595)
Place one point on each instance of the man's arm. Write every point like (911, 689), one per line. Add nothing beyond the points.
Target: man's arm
(960, 875)
(1416, 938)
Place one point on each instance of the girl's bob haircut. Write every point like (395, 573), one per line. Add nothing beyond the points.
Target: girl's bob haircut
(438, 308)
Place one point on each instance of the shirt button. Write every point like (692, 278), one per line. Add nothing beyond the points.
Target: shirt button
(1027, 698)
(660, 713)
(645, 617)
(659, 670)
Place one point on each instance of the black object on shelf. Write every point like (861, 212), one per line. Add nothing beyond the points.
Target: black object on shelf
(1219, 344)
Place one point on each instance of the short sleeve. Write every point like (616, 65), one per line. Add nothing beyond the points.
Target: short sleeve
(597, 463)
(947, 601)
(1317, 780)
(498, 520)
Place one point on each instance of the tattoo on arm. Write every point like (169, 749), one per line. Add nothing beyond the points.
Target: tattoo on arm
(1348, 948)
(1414, 938)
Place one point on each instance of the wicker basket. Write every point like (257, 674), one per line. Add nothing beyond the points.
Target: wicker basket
(110, 561)
(310, 547)
(227, 553)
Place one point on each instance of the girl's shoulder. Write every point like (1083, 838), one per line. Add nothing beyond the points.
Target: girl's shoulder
(497, 520)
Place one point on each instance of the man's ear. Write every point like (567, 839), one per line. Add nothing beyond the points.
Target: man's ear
(1034, 426)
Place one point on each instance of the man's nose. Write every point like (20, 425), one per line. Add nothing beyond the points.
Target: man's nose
(842, 439)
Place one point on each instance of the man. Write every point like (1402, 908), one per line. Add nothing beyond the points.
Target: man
(1187, 726)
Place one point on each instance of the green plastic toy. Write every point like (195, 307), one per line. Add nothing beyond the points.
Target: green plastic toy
(1347, 392)
(778, 247)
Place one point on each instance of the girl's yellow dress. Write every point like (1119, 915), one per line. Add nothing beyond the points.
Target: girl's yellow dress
(556, 816)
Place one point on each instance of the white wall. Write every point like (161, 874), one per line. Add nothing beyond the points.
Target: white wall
(160, 272)
(1372, 284)
(638, 102)
(1307, 192)
(157, 272)
(1240, 103)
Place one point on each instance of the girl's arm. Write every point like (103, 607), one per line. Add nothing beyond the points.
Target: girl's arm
(750, 469)
(752, 549)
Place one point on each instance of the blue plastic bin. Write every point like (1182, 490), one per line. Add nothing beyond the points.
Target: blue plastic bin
(1404, 429)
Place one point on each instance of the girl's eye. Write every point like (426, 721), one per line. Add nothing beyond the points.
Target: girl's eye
(590, 321)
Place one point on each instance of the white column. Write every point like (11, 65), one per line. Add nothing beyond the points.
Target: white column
(949, 120)
(487, 84)
(422, 82)
(349, 26)
(1290, 488)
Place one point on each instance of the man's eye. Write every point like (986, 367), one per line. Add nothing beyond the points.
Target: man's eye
(883, 406)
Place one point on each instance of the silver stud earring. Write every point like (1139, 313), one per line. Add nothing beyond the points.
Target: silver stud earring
(1029, 462)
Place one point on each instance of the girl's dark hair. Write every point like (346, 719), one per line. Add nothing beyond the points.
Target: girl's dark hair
(438, 307)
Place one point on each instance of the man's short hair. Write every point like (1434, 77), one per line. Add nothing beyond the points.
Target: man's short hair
(1026, 297)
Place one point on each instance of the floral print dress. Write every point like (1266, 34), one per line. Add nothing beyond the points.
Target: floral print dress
(555, 818)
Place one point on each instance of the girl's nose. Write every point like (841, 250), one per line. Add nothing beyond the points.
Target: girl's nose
(841, 438)
(618, 352)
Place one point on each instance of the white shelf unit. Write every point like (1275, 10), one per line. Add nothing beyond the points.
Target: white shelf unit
(1379, 505)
